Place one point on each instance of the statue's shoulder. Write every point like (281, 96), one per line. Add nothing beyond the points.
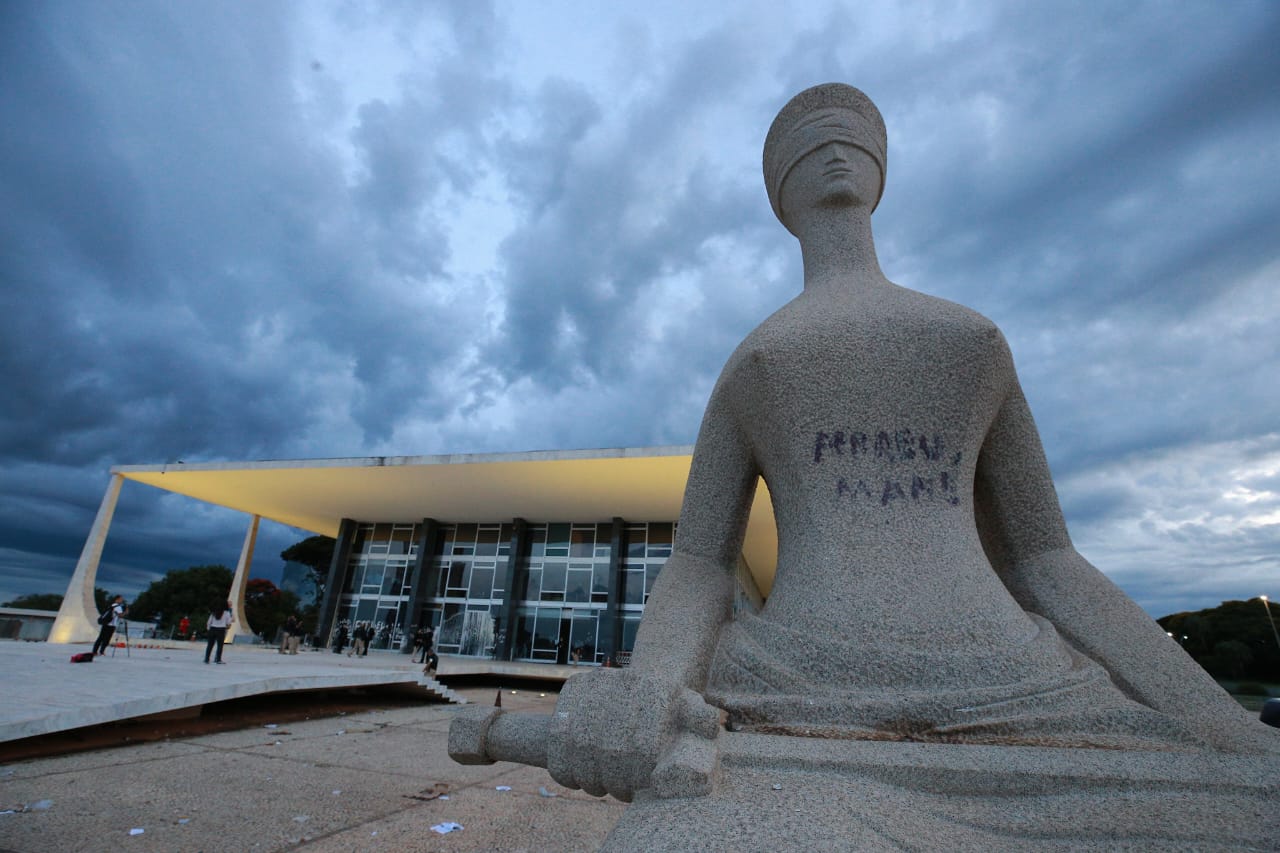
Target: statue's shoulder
(957, 332)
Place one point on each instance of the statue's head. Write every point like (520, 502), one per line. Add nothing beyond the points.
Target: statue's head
(831, 112)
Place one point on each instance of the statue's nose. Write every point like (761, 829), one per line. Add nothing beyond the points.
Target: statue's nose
(836, 153)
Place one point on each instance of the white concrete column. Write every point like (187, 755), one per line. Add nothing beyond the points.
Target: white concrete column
(240, 621)
(77, 620)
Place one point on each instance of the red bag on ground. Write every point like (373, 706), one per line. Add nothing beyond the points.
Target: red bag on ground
(82, 657)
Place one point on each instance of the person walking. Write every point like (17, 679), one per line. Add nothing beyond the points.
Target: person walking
(292, 635)
(359, 640)
(219, 621)
(115, 610)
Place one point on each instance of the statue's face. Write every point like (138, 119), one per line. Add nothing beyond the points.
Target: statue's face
(835, 174)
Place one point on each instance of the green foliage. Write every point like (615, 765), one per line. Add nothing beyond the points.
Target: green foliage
(38, 601)
(1232, 640)
(316, 553)
(267, 607)
(188, 592)
(53, 600)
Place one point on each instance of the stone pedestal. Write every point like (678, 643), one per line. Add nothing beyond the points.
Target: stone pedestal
(813, 794)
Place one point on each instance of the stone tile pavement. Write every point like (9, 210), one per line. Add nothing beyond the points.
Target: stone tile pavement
(355, 782)
(42, 692)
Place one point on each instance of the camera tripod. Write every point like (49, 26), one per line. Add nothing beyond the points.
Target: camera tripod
(123, 628)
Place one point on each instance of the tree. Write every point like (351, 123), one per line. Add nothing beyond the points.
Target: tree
(101, 598)
(1232, 640)
(37, 601)
(316, 553)
(190, 592)
(267, 606)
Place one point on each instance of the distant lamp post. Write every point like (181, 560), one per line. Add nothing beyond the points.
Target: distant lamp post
(1267, 606)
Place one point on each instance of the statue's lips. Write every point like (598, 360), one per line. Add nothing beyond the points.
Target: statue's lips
(837, 170)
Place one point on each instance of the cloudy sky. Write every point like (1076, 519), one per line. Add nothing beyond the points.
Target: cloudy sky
(239, 231)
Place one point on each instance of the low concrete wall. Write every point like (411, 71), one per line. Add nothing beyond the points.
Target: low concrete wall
(32, 625)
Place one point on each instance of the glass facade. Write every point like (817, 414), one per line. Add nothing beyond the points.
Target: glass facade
(376, 586)
(566, 608)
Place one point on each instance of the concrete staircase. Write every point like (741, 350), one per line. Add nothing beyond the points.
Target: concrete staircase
(435, 688)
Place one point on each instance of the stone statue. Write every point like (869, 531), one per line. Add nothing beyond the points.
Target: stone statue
(929, 609)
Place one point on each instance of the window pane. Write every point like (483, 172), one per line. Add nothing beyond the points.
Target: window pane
(600, 579)
(373, 573)
(579, 587)
(582, 543)
(533, 586)
(537, 540)
(481, 583)
(457, 573)
(635, 587)
(553, 576)
(487, 542)
(660, 533)
(557, 540)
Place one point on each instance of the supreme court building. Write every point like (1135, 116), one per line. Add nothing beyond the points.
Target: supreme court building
(539, 557)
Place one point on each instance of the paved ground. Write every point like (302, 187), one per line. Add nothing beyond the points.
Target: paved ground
(355, 782)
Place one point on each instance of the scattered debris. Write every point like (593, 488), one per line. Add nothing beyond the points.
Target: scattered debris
(183, 821)
(438, 791)
(542, 789)
(302, 818)
(446, 828)
(503, 788)
(337, 791)
(40, 806)
(271, 726)
(777, 787)
(137, 830)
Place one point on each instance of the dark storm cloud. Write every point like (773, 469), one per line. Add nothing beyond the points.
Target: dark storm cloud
(187, 274)
(227, 237)
(623, 206)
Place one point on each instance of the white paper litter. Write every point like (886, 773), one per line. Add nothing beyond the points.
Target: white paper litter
(41, 806)
(503, 788)
(446, 828)
(542, 789)
(137, 830)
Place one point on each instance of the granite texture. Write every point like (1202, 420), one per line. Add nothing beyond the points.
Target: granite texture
(927, 589)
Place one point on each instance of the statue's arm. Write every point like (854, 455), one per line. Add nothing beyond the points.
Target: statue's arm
(693, 596)
(1025, 535)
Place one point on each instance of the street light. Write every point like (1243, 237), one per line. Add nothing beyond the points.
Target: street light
(1270, 619)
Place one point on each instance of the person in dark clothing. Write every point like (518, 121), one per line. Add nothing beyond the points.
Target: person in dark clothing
(340, 641)
(357, 640)
(107, 620)
(429, 656)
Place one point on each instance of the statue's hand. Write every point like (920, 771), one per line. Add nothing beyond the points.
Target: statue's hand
(613, 728)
